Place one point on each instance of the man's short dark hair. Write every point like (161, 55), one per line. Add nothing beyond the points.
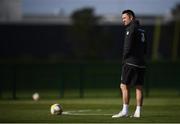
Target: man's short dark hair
(129, 12)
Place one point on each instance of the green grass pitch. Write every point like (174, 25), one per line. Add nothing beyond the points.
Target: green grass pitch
(88, 110)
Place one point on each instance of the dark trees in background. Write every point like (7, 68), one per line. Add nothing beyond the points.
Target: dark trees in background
(89, 40)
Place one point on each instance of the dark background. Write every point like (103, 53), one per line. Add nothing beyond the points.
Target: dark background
(82, 55)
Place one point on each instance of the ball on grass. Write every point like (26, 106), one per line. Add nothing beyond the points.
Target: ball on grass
(35, 96)
(56, 109)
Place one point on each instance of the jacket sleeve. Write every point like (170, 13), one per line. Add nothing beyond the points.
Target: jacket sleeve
(146, 44)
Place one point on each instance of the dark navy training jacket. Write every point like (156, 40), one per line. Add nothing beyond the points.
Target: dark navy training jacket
(135, 45)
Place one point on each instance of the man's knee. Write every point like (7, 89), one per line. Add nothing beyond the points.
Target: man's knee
(124, 86)
(139, 87)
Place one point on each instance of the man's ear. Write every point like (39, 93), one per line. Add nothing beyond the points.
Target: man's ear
(131, 17)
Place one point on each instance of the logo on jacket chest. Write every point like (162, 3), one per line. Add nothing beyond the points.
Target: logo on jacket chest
(127, 33)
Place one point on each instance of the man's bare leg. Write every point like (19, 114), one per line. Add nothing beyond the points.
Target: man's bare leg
(125, 98)
(139, 100)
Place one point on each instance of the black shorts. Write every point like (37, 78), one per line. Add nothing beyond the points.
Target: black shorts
(132, 75)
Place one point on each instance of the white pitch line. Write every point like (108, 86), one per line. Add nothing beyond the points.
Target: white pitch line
(84, 114)
(88, 110)
(80, 112)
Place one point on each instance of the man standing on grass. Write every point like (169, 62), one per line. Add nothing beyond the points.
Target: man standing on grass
(133, 64)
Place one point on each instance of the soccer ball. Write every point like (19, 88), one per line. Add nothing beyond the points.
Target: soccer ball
(35, 96)
(56, 109)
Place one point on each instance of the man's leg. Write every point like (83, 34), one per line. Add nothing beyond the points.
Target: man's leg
(125, 93)
(125, 98)
(139, 100)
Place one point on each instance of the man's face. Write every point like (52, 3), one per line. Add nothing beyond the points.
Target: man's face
(126, 18)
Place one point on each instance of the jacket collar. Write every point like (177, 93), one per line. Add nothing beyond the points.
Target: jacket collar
(134, 22)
